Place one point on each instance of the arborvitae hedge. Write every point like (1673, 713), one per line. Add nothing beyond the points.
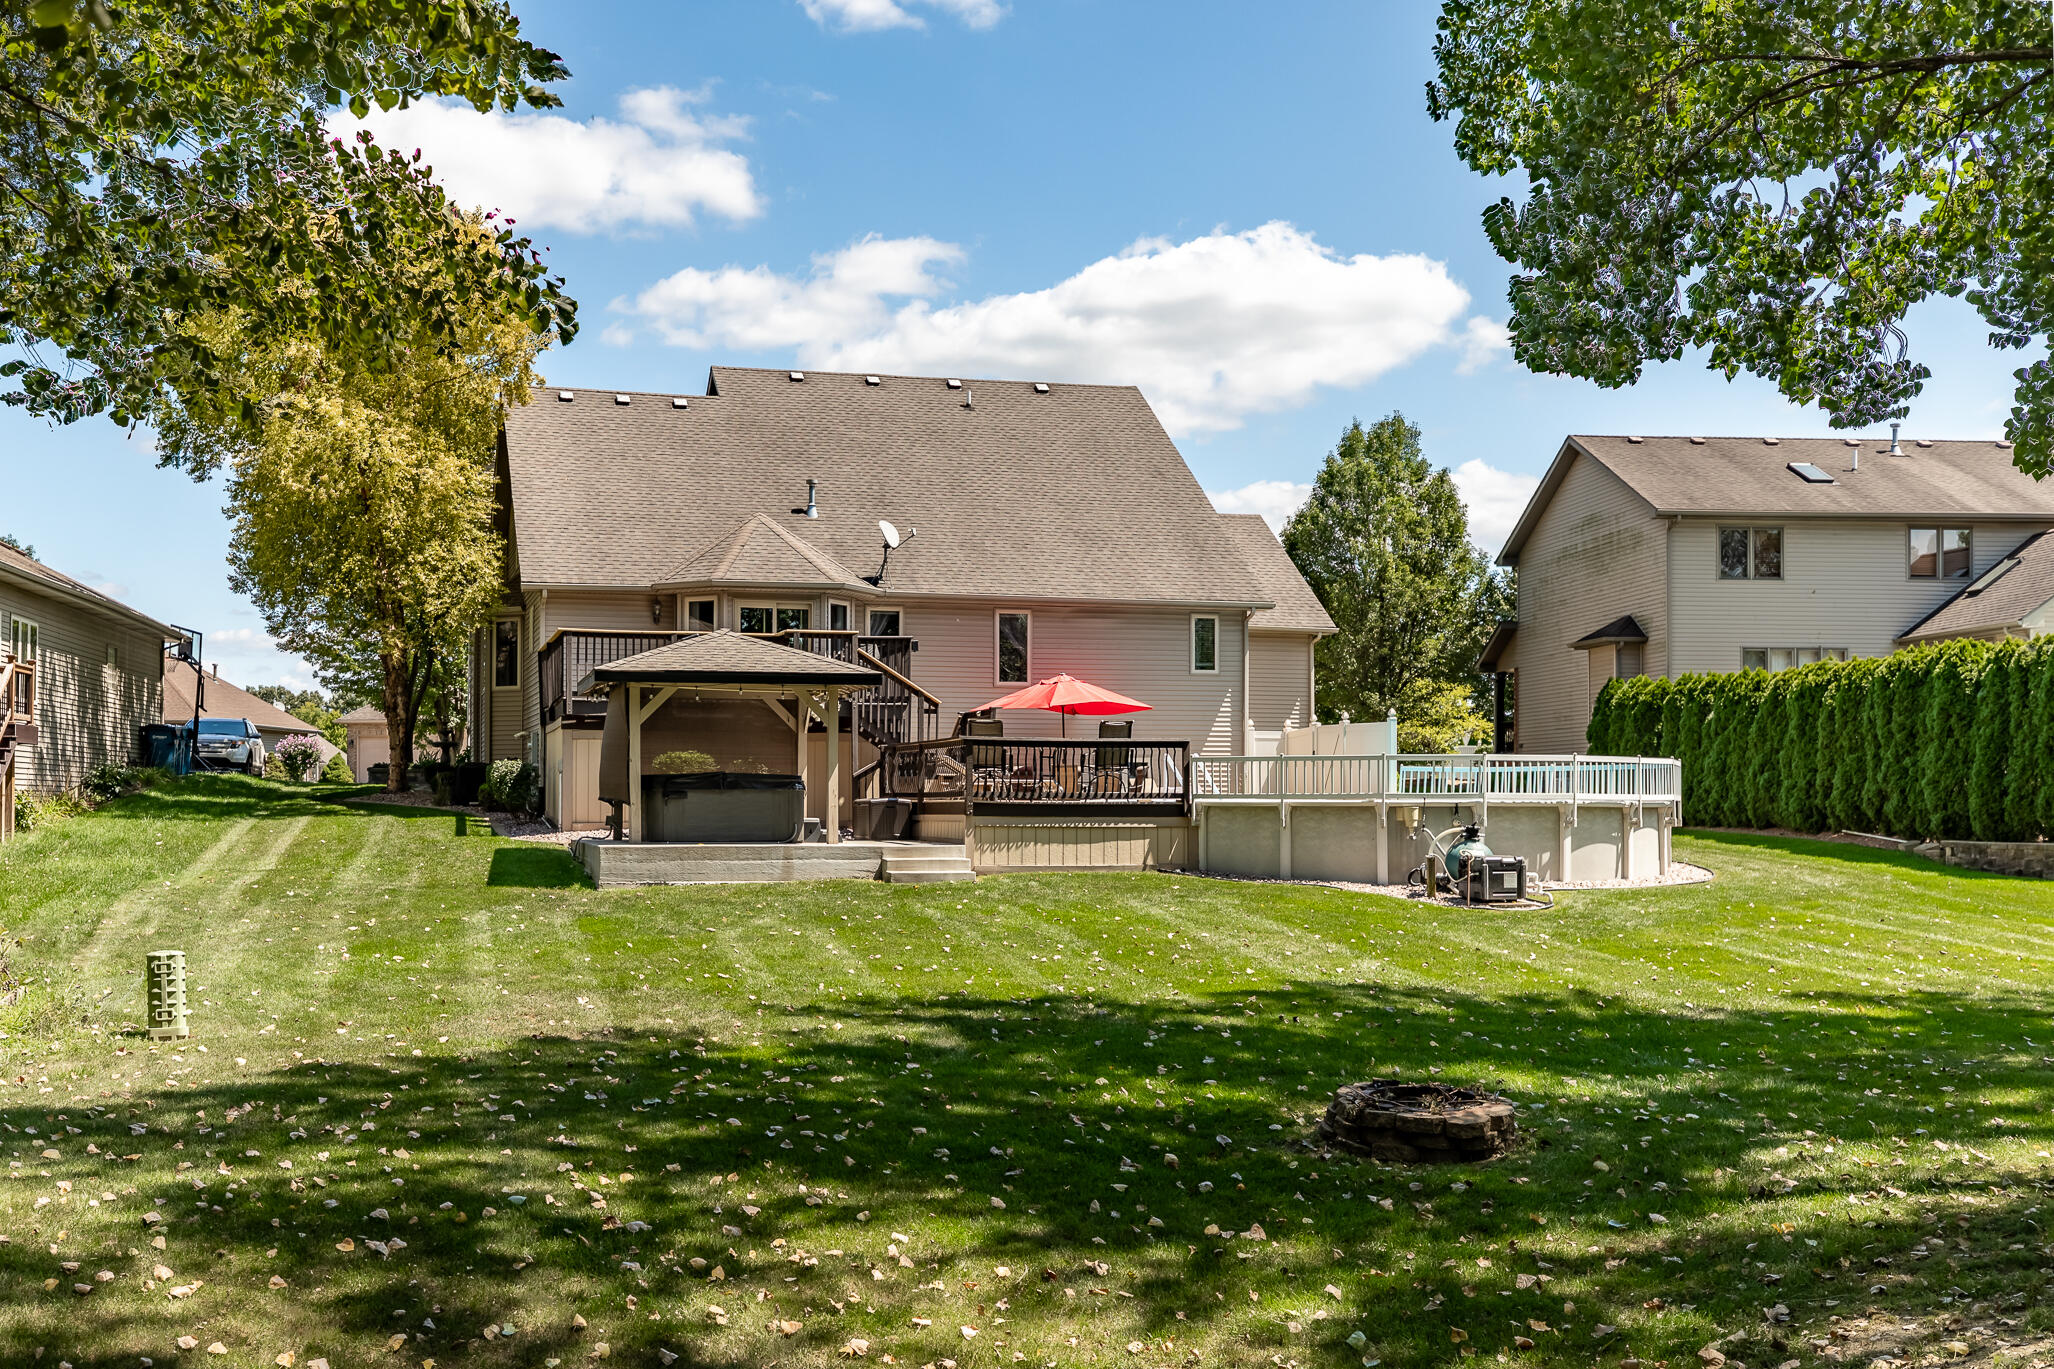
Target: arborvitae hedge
(1951, 740)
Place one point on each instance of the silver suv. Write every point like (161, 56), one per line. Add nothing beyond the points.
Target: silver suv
(225, 743)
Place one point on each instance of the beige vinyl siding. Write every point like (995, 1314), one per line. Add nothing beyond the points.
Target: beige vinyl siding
(1844, 585)
(1144, 653)
(1597, 552)
(1279, 680)
(625, 610)
(88, 713)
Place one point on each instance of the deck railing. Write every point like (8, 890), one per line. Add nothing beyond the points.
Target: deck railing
(1462, 779)
(895, 710)
(17, 692)
(1000, 775)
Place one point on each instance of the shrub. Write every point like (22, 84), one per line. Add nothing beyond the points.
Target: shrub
(299, 754)
(510, 785)
(104, 782)
(337, 771)
(32, 811)
(682, 763)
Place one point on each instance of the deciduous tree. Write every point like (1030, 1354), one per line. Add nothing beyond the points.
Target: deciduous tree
(1775, 184)
(1384, 543)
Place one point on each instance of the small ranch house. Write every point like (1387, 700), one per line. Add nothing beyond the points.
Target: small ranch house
(1672, 555)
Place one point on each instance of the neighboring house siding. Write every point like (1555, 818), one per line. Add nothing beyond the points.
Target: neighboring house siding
(1141, 652)
(1596, 553)
(88, 713)
(1844, 585)
(1279, 680)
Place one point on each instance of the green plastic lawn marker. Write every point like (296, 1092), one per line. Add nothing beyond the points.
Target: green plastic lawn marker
(165, 981)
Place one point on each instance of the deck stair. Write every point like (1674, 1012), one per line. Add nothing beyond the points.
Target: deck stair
(925, 864)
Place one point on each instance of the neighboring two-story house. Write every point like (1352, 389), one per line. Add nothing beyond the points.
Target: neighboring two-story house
(1672, 555)
(80, 675)
(1039, 528)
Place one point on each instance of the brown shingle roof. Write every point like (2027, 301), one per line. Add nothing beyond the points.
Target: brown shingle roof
(27, 567)
(761, 552)
(224, 700)
(1075, 494)
(362, 714)
(1297, 608)
(726, 657)
(1750, 477)
(1993, 604)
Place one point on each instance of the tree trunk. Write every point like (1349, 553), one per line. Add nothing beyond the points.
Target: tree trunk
(401, 706)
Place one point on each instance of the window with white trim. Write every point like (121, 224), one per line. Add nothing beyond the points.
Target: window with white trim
(885, 622)
(1788, 657)
(1205, 643)
(1012, 648)
(837, 616)
(769, 618)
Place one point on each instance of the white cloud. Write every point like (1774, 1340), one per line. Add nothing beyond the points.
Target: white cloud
(244, 636)
(1495, 498)
(660, 165)
(1212, 329)
(1275, 500)
(1483, 341)
(870, 16)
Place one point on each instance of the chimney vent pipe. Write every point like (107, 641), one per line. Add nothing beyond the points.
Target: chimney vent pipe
(1895, 450)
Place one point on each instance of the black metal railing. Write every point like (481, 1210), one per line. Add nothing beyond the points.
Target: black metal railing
(896, 710)
(995, 775)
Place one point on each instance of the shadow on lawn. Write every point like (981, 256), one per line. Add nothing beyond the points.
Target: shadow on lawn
(1048, 1104)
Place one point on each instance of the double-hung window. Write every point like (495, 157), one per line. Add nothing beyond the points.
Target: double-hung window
(506, 653)
(1750, 553)
(1012, 648)
(1939, 554)
(24, 640)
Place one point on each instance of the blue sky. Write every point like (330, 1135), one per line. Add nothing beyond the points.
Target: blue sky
(1251, 217)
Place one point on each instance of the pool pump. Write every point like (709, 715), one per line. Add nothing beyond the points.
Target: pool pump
(1468, 869)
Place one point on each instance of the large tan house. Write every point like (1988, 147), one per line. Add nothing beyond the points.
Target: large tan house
(1040, 529)
(1672, 555)
(80, 675)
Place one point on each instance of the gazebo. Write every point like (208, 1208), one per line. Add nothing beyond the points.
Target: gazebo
(720, 669)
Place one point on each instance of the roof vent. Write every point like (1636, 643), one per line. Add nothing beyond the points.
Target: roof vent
(565, 396)
(1850, 442)
(1896, 448)
(2002, 445)
(1040, 387)
(798, 375)
(1771, 441)
(680, 402)
(1697, 442)
(1636, 441)
(1808, 473)
(954, 384)
(872, 380)
(1922, 442)
(623, 399)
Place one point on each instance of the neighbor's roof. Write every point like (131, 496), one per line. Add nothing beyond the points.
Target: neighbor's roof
(1501, 639)
(761, 552)
(21, 567)
(224, 700)
(2002, 597)
(362, 715)
(1750, 477)
(726, 657)
(1075, 494)
(1297, 608)
(1623, 629)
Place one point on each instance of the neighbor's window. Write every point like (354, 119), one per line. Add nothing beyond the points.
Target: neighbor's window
(884, 622)
(1750, 553)
(1012, 648)
(1205, 644)
(699, 615)
(114, 655)
(837, 616)
(1785, 657)
(1939, 554)
(506, 653)
(1630, 660)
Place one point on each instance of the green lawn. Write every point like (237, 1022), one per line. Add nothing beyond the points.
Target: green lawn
(1036, 1120)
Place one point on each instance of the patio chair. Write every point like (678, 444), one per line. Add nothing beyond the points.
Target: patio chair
(988, 772)
(1114, 771)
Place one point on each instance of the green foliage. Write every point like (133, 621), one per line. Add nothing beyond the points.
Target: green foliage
(512, 785)
(170, 158)
(10, 540)
(33, 810)
(682, 763)
(1774, 185)
(310, 707)
(299, 754)
(1384, 543)
(104, 782)
(337, 770)
(1948, 740)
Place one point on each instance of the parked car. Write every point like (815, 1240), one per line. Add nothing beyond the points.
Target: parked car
(225, 743)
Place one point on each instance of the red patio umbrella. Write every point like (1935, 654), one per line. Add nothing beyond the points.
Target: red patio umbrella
(1065, 694)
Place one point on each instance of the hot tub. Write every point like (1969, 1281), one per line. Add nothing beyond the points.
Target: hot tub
(723, 807)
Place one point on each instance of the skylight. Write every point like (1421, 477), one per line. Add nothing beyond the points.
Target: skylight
(1809, 474)
(1992, 575)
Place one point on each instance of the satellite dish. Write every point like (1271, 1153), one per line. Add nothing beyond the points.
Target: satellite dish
(891, 533)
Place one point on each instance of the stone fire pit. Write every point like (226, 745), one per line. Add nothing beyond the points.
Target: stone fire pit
(1388, 1119)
